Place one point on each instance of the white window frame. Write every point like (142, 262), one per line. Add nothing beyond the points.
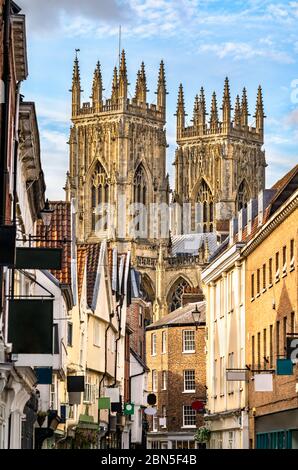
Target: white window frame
(155, 424)
(186, 341)
(87, 397)
(154, 380)
(188, 412)
(164, 342)
(96, 334)
(186, 380)
(153, 344)
(164, 380)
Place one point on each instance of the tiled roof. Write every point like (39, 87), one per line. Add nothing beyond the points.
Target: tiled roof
(81, 263)
(59, 229)
(88, 256)
(182, 315)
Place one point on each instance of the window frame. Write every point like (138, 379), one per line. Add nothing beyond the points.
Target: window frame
(184, 341)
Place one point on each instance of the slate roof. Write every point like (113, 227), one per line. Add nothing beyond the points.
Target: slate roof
(180, 316)
(189, 244)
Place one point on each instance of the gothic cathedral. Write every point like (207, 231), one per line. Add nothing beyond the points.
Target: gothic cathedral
(118, 157)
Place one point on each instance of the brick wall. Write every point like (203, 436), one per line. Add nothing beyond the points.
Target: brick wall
(174, 362)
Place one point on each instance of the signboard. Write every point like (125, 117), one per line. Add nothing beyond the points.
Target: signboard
(129, 409)
(39, 258)
(75, 383)
(74, 398)
(284, 367)
(292, 349)
(104, 403)
(234, 375)
(44, 375)
(151, 399)
(7, 245)
(30, 326)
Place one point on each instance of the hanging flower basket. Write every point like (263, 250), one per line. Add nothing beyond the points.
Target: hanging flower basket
(86, 437)
(202, 435)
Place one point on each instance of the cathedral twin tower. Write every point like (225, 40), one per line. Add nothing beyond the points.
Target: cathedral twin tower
(118, 149)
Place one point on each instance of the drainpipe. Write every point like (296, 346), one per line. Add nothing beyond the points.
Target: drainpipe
(119, 316)
(106, 357)
(4, 129)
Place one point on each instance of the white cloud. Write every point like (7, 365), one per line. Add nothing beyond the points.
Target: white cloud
(245, 51)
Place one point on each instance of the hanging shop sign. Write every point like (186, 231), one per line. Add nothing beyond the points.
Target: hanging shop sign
(74, 398)
(151, 399)
(30, 326)
(198, 405)
(292, 349)
(263, 382)
(235, 375)
(284, 367)
(39, 258)
(129, 409)
(116, 407)
(104, 403)
(43, 375)
(150, 411)
(75, 383)
(7, 245)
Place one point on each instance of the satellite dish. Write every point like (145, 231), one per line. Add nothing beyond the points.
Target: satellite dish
(151, 399)
(150, 411)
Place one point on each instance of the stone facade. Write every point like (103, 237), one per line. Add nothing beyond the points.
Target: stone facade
(220, 165)
(118, 156)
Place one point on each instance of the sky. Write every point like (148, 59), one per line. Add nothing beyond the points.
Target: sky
(201, 42)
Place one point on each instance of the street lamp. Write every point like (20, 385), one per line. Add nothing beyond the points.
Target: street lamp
(46, 214)
(196, 315)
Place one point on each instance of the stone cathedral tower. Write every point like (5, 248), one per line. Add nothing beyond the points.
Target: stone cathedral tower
(118, 153)
(220, 165)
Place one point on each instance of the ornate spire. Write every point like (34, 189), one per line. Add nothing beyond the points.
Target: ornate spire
(260, 116)
(138, 84)
(237, 113)
(115, 87)
(76, 87)
(226, 107)
(123, 77)
(214, 115)
(180, 110)
(202, 110)
(161, 88)
(97, 89)
(244, 109)
(196, 111)
(143, 85)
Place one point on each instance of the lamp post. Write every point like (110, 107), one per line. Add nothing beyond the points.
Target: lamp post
(46, 214)
(196, 315)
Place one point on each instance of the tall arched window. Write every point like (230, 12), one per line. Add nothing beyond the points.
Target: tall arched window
(205, 197)
(99, 194)
(140, 186)
(243, 195)
(175, 298)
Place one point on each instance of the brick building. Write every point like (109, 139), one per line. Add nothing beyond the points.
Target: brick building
(271, 316)
(175, 352)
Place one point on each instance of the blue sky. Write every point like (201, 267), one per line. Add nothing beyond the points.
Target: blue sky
(201, 42)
